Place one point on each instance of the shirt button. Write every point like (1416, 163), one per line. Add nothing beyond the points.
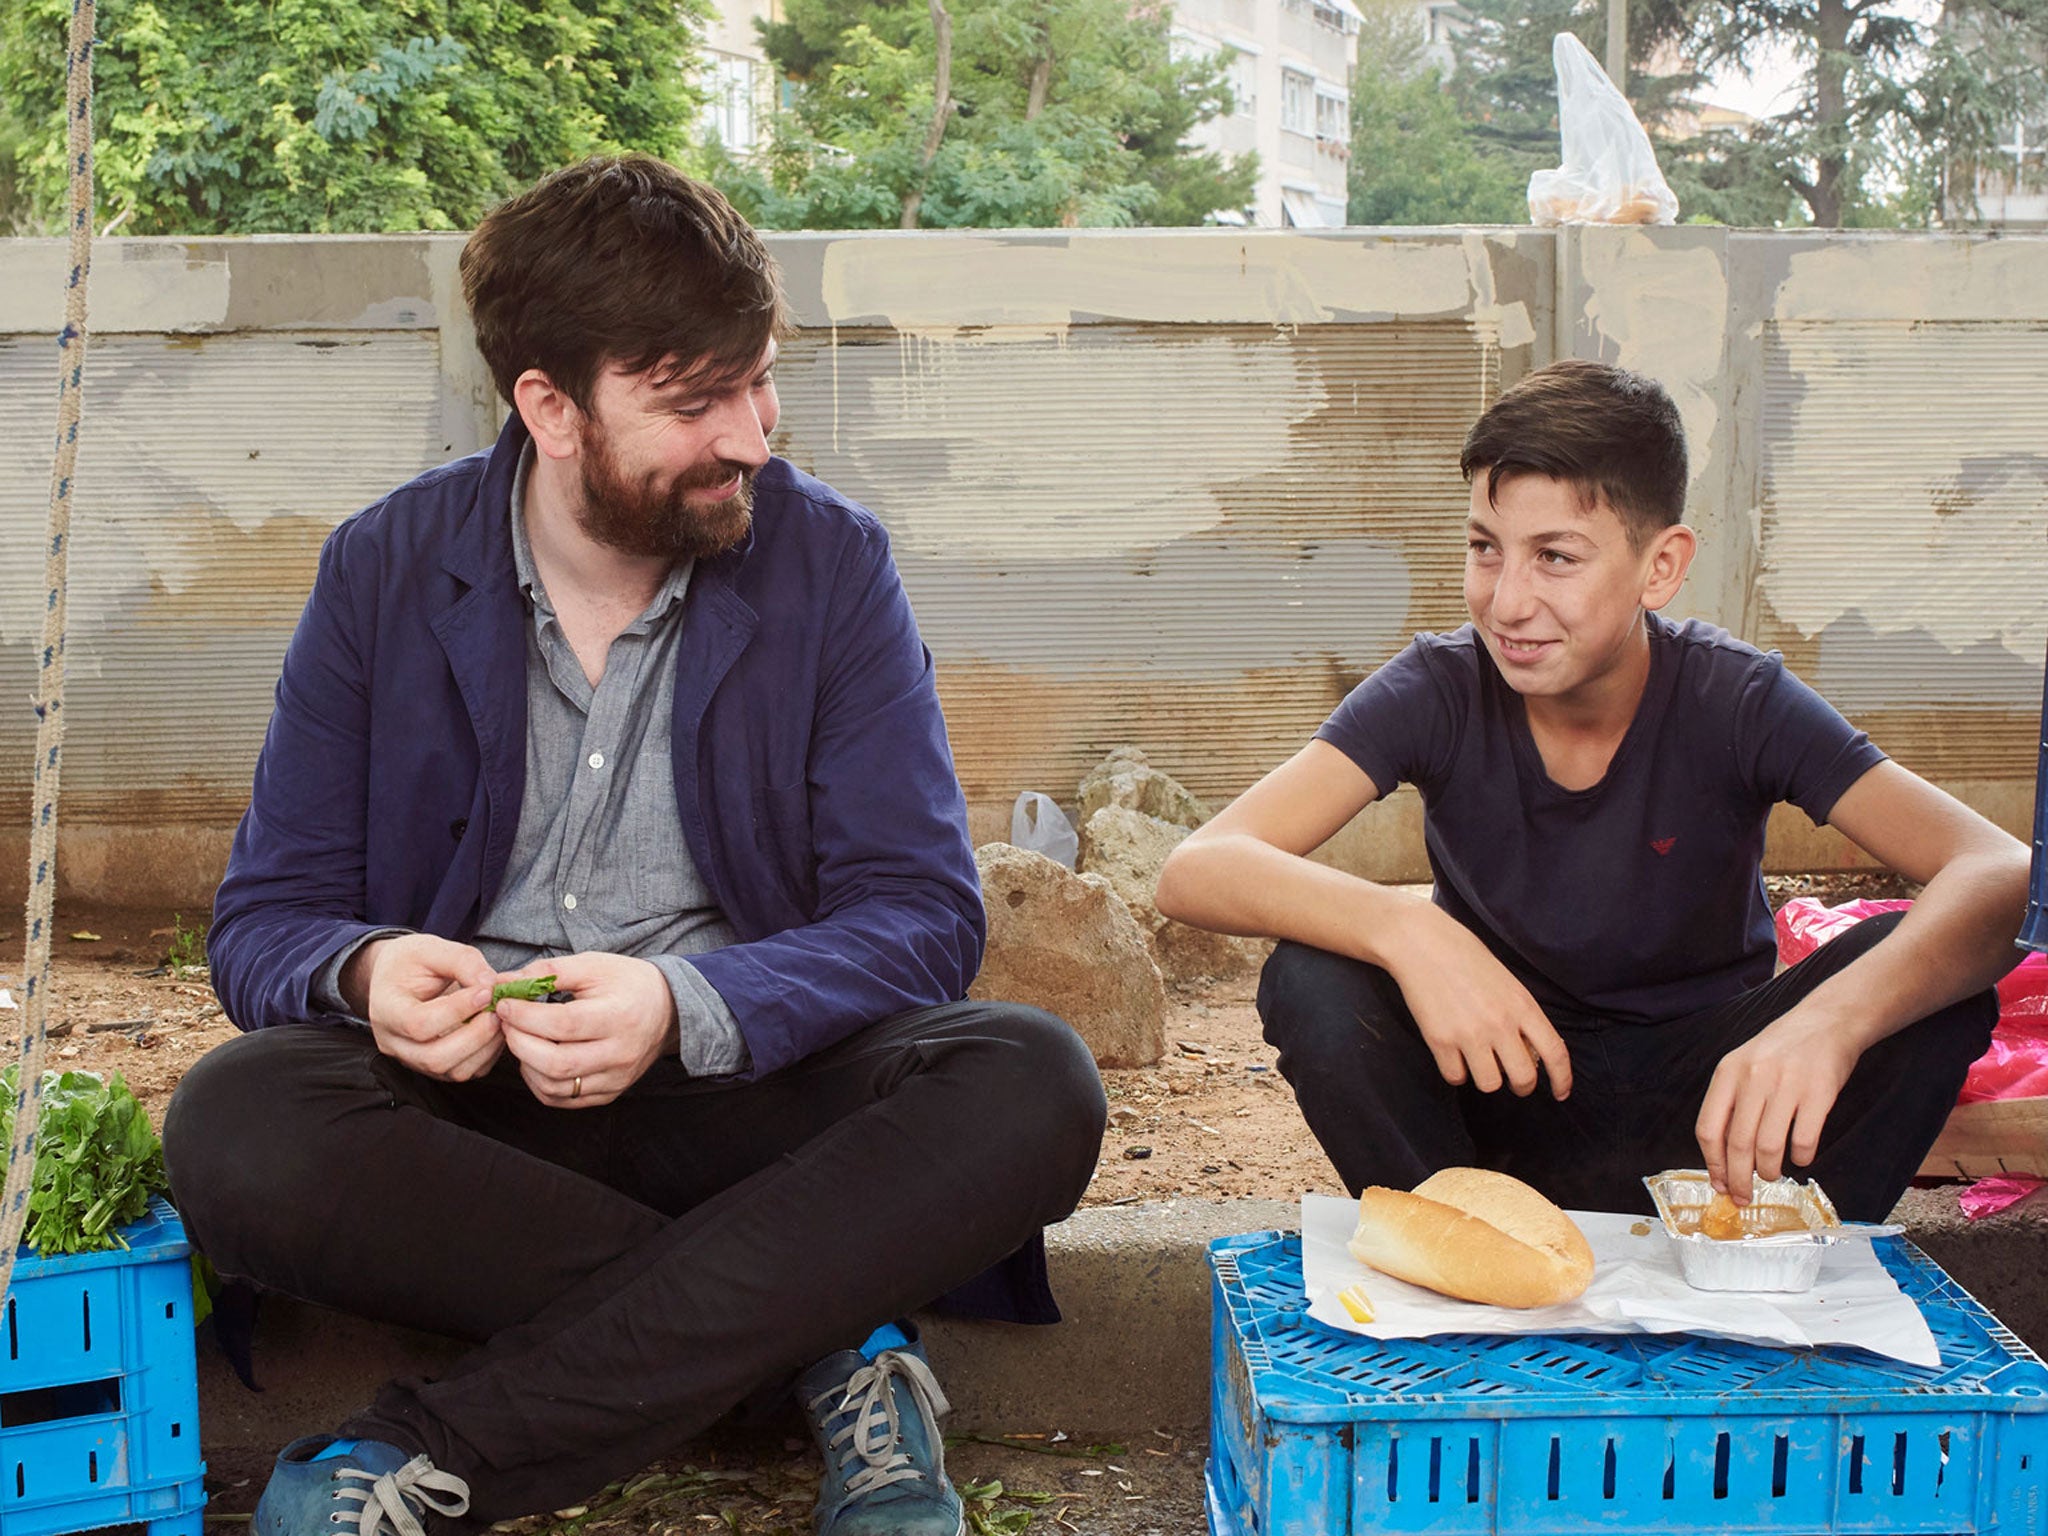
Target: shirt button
(597, 759)
(569, 901)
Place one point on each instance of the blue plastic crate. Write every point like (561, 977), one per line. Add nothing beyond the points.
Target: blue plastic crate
(1317, 1432)
(99, 1388)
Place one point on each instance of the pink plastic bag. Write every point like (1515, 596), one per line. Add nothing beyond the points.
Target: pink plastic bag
(2016, 1065)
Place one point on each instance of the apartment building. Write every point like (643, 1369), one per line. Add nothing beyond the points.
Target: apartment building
(1291, 75)
(737, 73)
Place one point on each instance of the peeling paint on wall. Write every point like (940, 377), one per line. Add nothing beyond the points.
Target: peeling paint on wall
(1107, 534)
(1035, 447)
(1937, 278)
(1662, 312)
(1905, 509)
(1038, 285)
(211, 468)
(137, 286)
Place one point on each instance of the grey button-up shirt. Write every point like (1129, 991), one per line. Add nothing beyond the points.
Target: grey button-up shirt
(599, 861)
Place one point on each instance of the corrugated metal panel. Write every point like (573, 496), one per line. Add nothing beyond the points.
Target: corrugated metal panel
(211, 468)
(1193, 538)
(1905, 503)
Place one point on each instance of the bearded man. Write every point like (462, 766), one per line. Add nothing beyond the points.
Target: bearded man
(628, 702)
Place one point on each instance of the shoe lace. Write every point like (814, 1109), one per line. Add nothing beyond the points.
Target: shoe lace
(400, 1498)
(876, 1428)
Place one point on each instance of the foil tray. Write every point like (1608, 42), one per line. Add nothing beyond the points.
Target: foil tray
(1761, 1259)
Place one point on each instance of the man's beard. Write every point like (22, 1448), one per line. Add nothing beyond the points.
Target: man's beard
(659, 519)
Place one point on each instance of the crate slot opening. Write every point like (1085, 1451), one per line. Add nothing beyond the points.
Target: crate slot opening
(1607, 1477)
(170, 1310)
(1721, 1465)
(13, 1343)
(1670, 1469)
(1436, 1468)
(85, 1312)
(1554, 1459)
(73, 1400)
(1856, 1464)
(177, 1429)
(1899, 1464)
(1472, 1472)
(92, 1466)
(1779, 1458)
(1393, 1470)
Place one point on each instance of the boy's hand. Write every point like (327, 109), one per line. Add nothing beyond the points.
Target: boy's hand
(587, 1052)
(425, 999)
(1769, 1096)
(1479, 1022)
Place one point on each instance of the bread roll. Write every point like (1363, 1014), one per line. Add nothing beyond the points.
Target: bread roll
(1475, 1234)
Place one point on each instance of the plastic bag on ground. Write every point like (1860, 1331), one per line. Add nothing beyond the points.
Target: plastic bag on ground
(2016, 1065)
(1610, 174)
(1038, 823)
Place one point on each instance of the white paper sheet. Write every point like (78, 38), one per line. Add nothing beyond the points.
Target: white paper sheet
(1637, 1288)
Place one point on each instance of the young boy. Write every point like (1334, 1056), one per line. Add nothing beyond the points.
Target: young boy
(1595, 782)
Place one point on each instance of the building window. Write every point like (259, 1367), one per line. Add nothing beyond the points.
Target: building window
(1244, 84)
(1297, 101)
(729, 111)
(1333, 114)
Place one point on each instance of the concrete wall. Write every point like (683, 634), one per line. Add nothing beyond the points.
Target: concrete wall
(1181, 489)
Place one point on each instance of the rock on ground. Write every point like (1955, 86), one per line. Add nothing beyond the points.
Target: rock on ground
(1127, 778)
(1127, 848)
(1066, 943)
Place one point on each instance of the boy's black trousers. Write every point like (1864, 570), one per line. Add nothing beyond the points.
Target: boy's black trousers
(1373, 1096)
(636, 1269)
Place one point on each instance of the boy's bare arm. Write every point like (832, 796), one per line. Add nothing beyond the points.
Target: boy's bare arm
(1771, 1096)
(1247, 872)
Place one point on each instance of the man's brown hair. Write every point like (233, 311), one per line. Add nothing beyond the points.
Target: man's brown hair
(620, 259)
(1610, 434)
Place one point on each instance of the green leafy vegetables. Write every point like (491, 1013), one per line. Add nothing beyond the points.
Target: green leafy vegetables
(534, 989)
(97, 1161)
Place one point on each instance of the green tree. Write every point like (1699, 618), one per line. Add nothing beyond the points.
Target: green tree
(1893, 103)
(984, 113)
(230, 116)
(1413, 156)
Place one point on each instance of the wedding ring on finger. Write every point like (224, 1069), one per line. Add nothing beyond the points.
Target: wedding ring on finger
(576, 1089)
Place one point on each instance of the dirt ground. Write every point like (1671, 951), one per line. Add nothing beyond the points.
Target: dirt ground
(1213, 1121)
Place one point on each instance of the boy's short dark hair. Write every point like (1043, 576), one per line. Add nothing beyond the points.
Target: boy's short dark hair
(623, 259)
(1611, 434)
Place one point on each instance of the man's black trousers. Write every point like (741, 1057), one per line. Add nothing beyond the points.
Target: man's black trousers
(1371, 1092)
(637, 1269)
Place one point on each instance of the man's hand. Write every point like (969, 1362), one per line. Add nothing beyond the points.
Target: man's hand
(577, 1054)
(425, 998)
(1479, 1022)
(1770, 1096)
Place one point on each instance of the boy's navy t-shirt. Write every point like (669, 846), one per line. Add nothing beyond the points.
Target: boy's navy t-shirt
(1640, 899)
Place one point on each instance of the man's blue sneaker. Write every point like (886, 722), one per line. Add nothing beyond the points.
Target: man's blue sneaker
(877, 1424)
(327, 1487)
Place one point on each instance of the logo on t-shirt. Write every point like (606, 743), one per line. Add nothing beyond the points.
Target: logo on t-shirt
(1663, 845)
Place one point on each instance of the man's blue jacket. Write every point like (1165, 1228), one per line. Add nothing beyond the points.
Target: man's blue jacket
(811, 765)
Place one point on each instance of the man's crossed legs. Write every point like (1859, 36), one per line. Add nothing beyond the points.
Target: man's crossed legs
(636, 1269)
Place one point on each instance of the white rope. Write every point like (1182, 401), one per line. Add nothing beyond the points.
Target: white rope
(49, 701)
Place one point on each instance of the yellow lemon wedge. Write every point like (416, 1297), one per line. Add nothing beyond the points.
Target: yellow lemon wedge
(1357, 1303)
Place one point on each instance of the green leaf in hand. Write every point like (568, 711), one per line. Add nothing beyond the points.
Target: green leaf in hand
(534, 989)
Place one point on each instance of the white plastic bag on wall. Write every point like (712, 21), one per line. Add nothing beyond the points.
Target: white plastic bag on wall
(1610, 174)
